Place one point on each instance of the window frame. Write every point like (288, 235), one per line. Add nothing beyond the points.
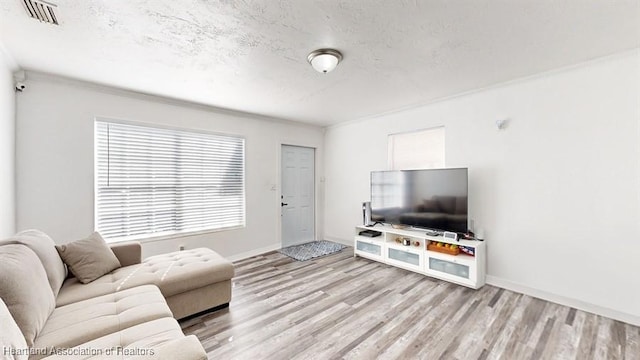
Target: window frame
(391, 165)
(151, 237)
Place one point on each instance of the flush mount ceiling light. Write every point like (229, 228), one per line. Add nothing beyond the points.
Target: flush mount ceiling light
(324, 60)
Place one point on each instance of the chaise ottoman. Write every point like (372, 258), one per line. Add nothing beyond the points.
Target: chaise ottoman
(191, 281)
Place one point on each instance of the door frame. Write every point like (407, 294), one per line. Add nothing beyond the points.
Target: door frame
(279, 187)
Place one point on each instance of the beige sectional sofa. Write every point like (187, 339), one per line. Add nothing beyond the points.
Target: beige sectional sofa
(130, 312)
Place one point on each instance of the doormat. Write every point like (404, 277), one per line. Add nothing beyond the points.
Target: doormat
(311, 250)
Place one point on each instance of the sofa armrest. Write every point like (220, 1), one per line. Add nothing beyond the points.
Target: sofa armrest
(128, 253)
(187, 348)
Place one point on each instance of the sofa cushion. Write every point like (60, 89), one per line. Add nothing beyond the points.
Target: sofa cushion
(120, 279)
(182, 271)
(45, 248)
(88, 259)
(25, 289)
(128, 253)
(76, 323)
(12, 343)
(158, 339)
(173, 273)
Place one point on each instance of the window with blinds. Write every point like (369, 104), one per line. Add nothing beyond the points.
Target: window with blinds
(154, 181)
(423, 149)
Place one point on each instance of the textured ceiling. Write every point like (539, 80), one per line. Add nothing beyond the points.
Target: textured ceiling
(251, 55)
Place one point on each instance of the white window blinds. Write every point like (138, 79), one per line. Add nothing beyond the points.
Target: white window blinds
(422, 149)
(154, 181)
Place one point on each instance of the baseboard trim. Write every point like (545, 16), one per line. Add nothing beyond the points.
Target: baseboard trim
(297, 243)
(562, 300)
(339, 241)
(254, 252)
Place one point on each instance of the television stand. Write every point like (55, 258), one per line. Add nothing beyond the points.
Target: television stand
(374, 224)
(424, 256)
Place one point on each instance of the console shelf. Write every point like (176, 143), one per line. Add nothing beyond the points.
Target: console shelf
(407, 249)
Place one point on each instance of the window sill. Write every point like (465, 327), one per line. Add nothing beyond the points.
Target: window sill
(150, 239)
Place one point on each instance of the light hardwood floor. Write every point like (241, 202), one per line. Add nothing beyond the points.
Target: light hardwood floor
(341, 307)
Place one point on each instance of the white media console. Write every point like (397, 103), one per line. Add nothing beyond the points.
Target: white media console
(388, 248)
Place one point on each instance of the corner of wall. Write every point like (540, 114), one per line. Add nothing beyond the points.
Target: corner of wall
(7, 144)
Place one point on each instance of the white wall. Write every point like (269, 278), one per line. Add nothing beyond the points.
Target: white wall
(557, 191)
(55, 160)
(7, 147)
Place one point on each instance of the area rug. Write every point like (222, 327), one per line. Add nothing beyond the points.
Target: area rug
(311, 250)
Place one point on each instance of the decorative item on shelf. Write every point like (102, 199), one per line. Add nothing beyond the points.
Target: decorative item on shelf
(444, 248)
(406, 241)
(448, 235)
(468, 250)
(468, 236)
(416, 243)
(398, 240)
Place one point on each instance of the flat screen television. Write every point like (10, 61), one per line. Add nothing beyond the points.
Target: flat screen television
(435, 199)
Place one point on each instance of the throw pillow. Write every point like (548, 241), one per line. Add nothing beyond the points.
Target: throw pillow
(88, 259)
(25, 290)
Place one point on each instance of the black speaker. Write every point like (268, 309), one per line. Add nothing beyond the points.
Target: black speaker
(366, 213)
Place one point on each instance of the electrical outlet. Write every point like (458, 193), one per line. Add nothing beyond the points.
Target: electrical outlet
(181, 248)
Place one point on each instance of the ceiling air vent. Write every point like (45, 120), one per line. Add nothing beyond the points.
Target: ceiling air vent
(41, 10)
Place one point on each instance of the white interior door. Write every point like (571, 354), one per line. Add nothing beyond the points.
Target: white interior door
(298, 195)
